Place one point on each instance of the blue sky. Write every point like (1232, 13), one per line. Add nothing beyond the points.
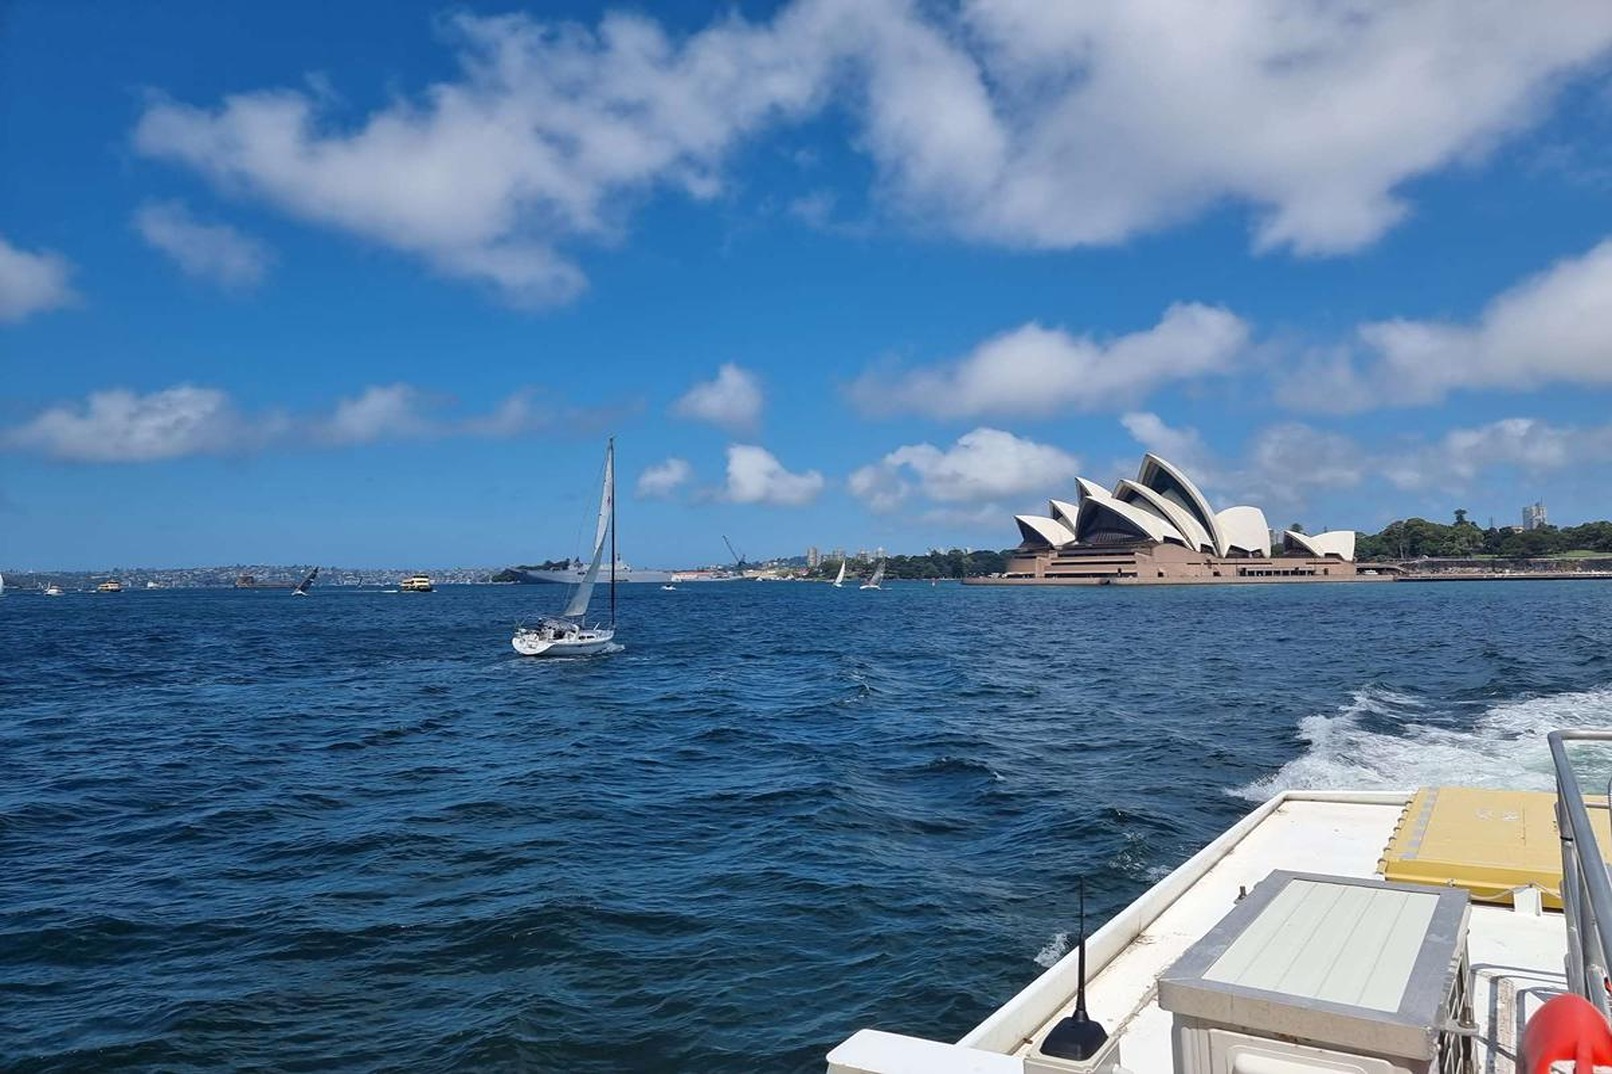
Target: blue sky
(370, 283)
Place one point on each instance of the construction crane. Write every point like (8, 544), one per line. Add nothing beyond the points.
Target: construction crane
(738, 557)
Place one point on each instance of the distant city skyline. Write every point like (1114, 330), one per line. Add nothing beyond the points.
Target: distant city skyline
(839, 275)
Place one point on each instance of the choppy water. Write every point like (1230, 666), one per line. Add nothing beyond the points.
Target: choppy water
(356, 833)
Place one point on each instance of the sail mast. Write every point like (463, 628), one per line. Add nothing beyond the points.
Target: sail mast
(610, 478)
(607, 504)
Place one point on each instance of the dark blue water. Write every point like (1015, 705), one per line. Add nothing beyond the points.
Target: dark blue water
(355, 832)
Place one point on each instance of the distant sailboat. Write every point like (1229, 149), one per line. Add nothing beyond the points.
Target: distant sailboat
(839, 579)
(878, 576)
(565, 634)
(302, 586)
(53, 590)
(2, 585)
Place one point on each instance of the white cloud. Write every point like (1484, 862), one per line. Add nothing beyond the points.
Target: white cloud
(32, 283)
(1115, 118)
(1038, 371)
(732, 401)
(391, 411)
(536, 143)
(1181, 446)
(986, 464)
(658, 482)
(1555, 328)
(1282, 464)
(214, 252)
(1462, 455)
(756, 476)
(1014, 122)
(518, 414)
(122, 426)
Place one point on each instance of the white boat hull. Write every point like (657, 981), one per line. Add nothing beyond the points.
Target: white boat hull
(545, 642)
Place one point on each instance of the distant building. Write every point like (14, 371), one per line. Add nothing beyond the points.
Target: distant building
(1158, 528)
(814, 558)
(878, 553)
(1533, 516)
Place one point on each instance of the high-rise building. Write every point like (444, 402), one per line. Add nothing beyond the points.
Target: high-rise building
(814, 558)
(1533, 516)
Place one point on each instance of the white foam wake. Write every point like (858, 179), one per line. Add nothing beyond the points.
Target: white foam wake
(1505, 747)
(1056, 948)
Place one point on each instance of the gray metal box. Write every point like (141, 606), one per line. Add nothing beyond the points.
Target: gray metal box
(1365, 967)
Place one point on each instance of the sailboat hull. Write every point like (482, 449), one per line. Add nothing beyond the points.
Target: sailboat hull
(579, 643)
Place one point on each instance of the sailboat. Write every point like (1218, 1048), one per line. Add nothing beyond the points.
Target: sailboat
(53, 590)
(878, 576)
(302, 586)
(839, 579)
(566, 634)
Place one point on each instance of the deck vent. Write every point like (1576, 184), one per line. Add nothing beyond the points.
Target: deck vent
(1325, 975)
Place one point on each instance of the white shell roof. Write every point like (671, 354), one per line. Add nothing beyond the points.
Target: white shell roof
(1197, 537)
(1244, 529)
(1050, 530)
(1197, 504)
(1340, 543)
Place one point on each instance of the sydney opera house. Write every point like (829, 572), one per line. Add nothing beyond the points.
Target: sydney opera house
(1158, 528)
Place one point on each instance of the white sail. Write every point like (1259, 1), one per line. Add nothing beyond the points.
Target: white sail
(878, 574)
(839, 579)
(579, 600)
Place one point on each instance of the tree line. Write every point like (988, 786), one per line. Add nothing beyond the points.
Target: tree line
(955, 563)
(1415, 538)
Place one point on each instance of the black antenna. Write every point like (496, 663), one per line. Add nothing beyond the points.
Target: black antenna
(1080, 988)
(1077, 1037)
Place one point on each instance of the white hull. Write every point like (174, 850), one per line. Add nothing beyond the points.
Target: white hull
(871, 587)
(544, 641)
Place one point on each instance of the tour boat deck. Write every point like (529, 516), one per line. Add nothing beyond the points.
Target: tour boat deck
(1516, 954)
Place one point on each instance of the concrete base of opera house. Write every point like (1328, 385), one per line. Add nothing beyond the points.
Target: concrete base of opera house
(1169, 564)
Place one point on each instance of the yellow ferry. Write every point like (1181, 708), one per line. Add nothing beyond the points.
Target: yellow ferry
(416, 583)
(111, 585)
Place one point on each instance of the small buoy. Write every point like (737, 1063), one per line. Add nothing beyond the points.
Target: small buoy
(1566, 1027)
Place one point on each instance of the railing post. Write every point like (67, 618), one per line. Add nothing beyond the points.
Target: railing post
(1593, 891)
(1572, 898)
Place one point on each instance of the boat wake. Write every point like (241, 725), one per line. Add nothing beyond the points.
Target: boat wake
(1504, 746)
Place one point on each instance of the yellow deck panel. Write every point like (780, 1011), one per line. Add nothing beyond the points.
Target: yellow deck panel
(1487, 841)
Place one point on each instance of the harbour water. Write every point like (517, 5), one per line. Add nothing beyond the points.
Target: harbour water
(355, 832)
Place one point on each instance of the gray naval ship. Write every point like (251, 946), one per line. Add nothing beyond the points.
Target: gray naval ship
(573, 573)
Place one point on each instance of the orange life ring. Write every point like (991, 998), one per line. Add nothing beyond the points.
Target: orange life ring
(1566, 1027)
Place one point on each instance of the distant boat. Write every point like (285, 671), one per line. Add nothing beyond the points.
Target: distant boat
(302, 586)
(53, 590)
(415, 583)
(669, 588)
(111, 585)
(878, 576)
(2, 585)
(566, 634)
(839, 579)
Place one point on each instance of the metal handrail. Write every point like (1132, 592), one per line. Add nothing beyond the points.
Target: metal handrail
(1586, 888)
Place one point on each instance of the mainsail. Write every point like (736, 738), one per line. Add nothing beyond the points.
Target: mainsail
(839, 579)
(607, 503)
(302, 587)
(878, 574)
